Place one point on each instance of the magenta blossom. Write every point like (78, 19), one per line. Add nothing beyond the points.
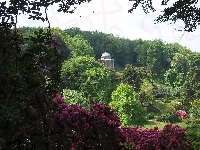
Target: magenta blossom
(182, 114)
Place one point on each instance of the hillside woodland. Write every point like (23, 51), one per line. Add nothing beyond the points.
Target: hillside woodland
(56, 95)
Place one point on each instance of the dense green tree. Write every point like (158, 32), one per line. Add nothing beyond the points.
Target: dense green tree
(174, 78)
(132, 54)
(141, 50)
(77, 45)
(98, 85)
(194, 59)
(195, 109)
(180, 63)
(73, 70)
(146, 94)
(80, 47)
(73, 31)
(193, 124)
(95, 38)
(191, 88)
(25, 96)
(88, 76)
(156, 58)
(132, 77)
(126, 103)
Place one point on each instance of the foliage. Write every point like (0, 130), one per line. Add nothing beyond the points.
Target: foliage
(180, 63)
(61, 47)
(157, 60)
(77, 44)
(191, 88)
(11, 9)
(97, 85)
(168, 114)
(194, 59)
(165, 91)
(29, 119)
(132, 77)
(120, 49)
(193, 133)
(80, 47)
(88, 76)
(195, 109)
(74, 97)
(171, 137)
(173, 78)
(79, 128)
(187, 11)
(98, 128)
(25, 98)
(125, 102)
(179, 67)
(73, 70)
(146, 94)
(154, 55)
(193, 124)
(23, 84)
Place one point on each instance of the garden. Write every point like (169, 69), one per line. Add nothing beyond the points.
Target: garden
(56, 95)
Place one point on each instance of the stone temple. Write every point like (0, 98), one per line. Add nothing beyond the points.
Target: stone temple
(107, 61)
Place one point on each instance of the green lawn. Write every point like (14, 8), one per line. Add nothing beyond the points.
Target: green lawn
(160, 125)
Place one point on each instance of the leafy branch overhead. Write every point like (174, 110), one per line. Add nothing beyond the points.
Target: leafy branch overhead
(32, 8)
(185, 10)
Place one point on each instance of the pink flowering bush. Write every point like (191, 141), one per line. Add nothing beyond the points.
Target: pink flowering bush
(182, 114)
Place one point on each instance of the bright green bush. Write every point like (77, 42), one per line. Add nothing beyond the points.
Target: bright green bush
(193, 133)
(75, 97)
(193, 125)
(195, 109)
(98, 85)
(73, 70)
(125, 102)
(80, 47)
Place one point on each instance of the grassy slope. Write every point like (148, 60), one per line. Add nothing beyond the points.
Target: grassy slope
(160, 125)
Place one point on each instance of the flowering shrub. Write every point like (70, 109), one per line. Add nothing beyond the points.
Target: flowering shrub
(99, 128)
(182, 114)
(79, 128)
(170, 138)
(195, 108)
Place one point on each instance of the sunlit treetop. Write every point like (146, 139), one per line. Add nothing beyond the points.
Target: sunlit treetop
(185, 10)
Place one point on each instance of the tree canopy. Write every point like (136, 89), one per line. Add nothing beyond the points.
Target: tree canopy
(185, 10)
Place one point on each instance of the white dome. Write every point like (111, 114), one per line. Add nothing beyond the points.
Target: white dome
(105, 56)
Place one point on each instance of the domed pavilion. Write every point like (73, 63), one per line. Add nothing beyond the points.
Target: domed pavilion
(107, 61)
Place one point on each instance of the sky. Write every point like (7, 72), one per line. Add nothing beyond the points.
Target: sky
(111, 16)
